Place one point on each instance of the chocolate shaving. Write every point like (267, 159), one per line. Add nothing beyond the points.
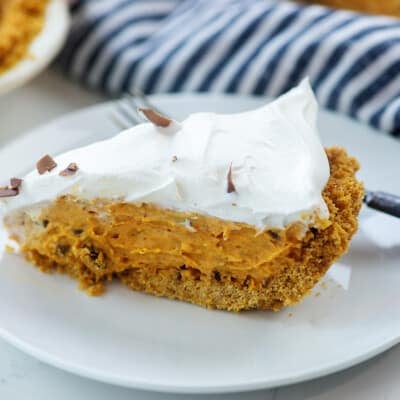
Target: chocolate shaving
(15, 183)
(62, 249)
(70, 170)
(273, 234)
(8, 192)
(231, 187)
(11, 190)
(45, 164)
(156, 118)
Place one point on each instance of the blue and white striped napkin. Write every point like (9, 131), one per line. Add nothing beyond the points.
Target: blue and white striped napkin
(239, 46)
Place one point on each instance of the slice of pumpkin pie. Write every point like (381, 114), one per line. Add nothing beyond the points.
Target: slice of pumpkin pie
(235, 212)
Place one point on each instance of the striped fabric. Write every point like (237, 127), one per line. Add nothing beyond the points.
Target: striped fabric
(239, 46)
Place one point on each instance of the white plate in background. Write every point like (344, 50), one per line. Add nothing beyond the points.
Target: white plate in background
(136, 340)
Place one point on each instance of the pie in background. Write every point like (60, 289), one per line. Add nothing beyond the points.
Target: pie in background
(388, 7)
(20, 22)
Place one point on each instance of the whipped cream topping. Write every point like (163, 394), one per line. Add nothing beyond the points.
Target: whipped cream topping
(278, 165)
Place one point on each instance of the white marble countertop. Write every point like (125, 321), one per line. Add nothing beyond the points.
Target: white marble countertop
(22, 377)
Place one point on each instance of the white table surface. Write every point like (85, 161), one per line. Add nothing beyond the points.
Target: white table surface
(22, 377)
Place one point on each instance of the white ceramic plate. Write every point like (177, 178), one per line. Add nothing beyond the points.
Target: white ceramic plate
(137, 340)
(42, 50)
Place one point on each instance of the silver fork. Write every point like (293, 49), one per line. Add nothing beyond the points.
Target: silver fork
(126, 114)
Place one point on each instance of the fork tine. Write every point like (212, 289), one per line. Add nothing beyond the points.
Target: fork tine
(139, 95)
(124, 116)
(119, 121)
(126, 113)
(134, 107)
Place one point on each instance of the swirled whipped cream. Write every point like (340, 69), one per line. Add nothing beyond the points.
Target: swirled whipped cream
(272, 157)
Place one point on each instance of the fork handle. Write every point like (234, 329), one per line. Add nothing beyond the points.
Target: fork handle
(385, 202)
